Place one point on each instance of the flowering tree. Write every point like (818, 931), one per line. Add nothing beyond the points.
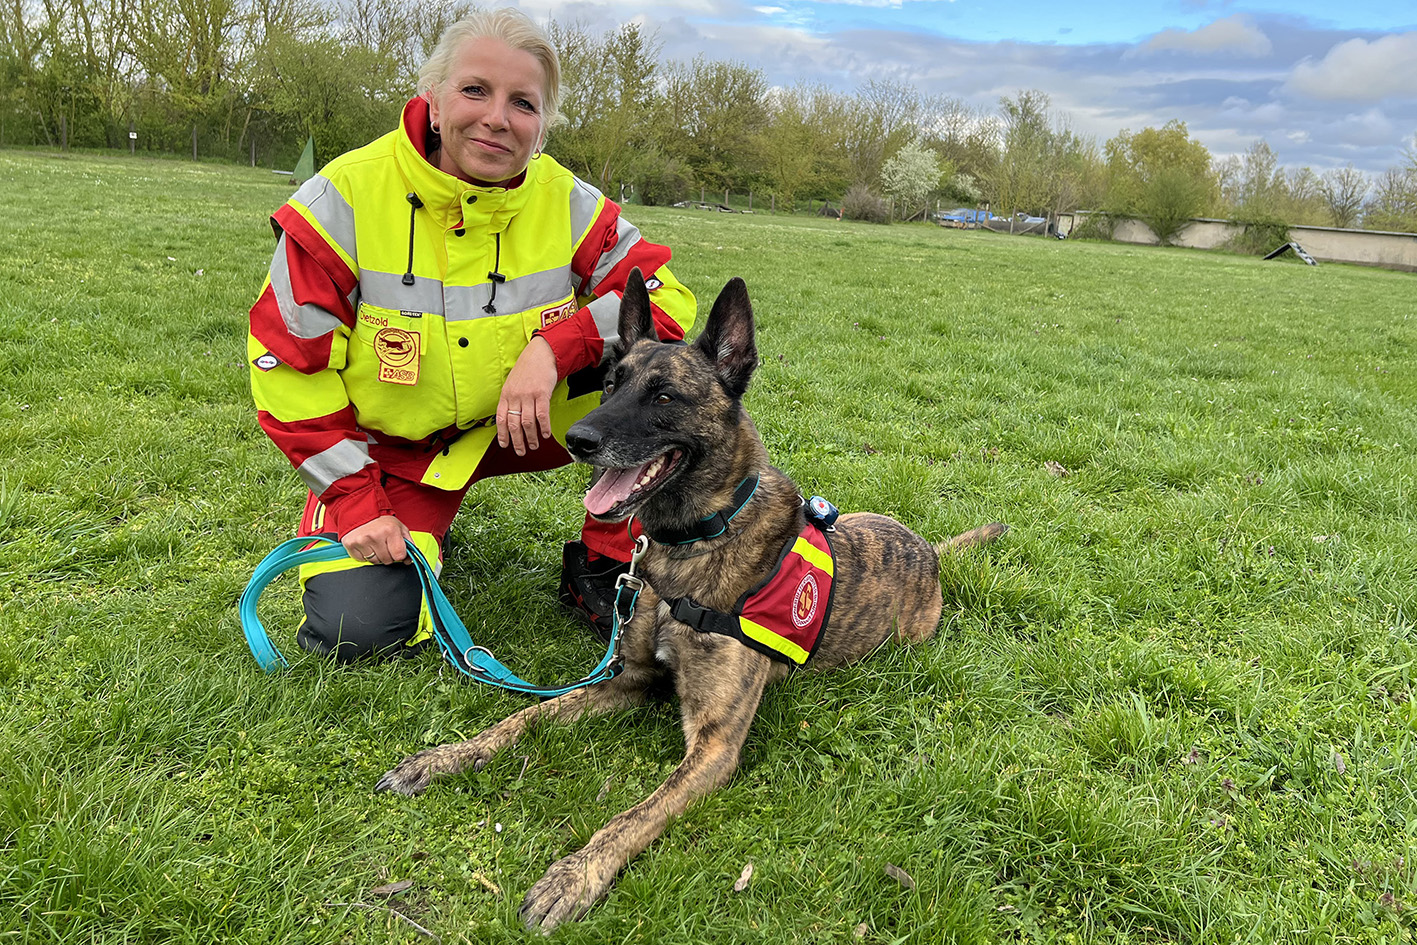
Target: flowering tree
(910, 177)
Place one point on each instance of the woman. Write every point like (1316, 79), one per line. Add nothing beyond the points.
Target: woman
(437, 307)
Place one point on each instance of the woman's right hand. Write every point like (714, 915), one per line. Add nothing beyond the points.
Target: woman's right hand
(378, 542)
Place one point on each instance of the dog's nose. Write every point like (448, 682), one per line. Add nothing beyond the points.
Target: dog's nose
(582, 439)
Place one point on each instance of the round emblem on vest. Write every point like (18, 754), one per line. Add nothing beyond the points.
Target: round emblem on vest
(804, 601)
(396, 347)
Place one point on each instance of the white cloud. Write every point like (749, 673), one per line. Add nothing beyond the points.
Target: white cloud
(1235, 35)
(1360, 71)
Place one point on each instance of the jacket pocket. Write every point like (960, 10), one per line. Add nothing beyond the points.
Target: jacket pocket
(397, 372)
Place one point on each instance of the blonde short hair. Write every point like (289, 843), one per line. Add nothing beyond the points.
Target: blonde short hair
(512, 27)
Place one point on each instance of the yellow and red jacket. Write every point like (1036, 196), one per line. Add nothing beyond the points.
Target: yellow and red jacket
(399, 298)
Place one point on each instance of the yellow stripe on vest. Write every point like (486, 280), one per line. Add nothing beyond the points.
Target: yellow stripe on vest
(769, 639)
(813, 555)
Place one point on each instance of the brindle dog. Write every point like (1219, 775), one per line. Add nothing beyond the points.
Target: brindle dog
(671, 442)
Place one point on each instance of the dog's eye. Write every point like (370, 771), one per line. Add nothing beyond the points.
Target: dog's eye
(609, 387)
(663, 399)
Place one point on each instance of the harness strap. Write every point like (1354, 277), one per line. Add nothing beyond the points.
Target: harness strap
(454, 640)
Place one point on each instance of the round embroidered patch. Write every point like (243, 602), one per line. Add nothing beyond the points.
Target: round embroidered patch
(395, 347)
(804, 606)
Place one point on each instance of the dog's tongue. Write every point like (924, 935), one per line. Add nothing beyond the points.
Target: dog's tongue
(612, 488)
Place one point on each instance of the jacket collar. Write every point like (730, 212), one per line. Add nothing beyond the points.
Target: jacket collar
(449, 201)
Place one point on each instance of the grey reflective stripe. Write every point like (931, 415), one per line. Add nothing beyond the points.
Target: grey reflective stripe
(386, 290)
(629, 235)
(584, 200)
(323, 469)
(522, 294)
(302, 321)
(459, 303)
(334, 213)
(606, 311)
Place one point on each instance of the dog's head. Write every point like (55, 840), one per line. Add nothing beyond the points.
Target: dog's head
(666, 407)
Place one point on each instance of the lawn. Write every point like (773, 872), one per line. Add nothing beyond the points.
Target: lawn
(1174, 704)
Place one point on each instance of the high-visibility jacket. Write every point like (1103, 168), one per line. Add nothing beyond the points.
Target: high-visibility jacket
(399, 298)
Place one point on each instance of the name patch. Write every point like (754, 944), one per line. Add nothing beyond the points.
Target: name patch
(559, 313)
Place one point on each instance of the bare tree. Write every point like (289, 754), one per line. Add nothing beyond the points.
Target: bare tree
(1343, 190)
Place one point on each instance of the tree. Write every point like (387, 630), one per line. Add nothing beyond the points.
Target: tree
(1304, 203)
(606, 100)
(1394, 203)
(878, 123)
(909, 178)
(711, 116)
(802, 144)
(1042, 164)
(1255, 184)
(1161, 175)
(1343, 191)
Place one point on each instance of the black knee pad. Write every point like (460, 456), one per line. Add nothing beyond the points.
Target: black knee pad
(361, 612)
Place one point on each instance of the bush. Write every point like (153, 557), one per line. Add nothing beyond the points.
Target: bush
(862, 203)
(1169, 201)
(1259, 237)
(1094, 226)
(660, 180)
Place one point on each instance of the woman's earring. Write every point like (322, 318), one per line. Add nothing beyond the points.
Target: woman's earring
(537, 153)
(435, 128)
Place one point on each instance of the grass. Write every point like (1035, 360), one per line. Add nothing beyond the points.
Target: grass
(1175, 704)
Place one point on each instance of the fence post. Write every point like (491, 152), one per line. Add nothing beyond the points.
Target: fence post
(725, 196)
(253, 150)
(750, 200)
(63, 132)
(701, 194)
(194, 142)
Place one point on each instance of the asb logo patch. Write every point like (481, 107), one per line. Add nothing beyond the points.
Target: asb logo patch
(267, 361)
(397, 350)
(558, 313)
(804, 601)
(652, 283)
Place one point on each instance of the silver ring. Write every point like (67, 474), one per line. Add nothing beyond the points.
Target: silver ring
(517, 412)
(370, 556)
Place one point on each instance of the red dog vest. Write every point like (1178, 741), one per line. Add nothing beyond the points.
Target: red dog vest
(785, 615)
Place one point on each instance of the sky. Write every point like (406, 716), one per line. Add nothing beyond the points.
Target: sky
(1325, 84)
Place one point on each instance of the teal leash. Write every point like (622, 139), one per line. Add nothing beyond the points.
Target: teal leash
(454, 640)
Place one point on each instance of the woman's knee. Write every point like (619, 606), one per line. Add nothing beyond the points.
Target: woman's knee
(361, 612)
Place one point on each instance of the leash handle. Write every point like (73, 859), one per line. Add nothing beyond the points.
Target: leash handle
(454, 640)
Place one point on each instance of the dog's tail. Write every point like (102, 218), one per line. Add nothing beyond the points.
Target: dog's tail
(975, 536)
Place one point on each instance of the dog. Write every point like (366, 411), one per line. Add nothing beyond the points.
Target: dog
(673, 447)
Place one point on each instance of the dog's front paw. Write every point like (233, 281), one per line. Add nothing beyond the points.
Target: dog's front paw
(570, 887)
(413, 775)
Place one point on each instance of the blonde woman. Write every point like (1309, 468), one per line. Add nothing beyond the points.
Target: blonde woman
(437, 308)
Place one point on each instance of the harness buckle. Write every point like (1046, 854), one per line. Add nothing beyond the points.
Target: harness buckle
(689, 611)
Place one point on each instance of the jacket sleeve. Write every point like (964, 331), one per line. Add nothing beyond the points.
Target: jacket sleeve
(610, 248)
(300, 328)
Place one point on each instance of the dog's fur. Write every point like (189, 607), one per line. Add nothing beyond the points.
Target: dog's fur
(682, 405)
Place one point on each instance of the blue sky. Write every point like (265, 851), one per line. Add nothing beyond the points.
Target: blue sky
(1107, 21)
(1325, 84)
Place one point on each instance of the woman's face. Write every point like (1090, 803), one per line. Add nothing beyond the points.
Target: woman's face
(488, 111)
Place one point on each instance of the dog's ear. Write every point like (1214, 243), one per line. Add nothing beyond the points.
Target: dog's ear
(727, 339)
(636, 318)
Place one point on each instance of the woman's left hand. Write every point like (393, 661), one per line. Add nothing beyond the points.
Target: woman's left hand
(524, 411)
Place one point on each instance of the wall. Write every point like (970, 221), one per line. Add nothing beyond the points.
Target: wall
(1324, 243)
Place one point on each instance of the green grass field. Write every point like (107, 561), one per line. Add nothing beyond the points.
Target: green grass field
(1174, 704)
